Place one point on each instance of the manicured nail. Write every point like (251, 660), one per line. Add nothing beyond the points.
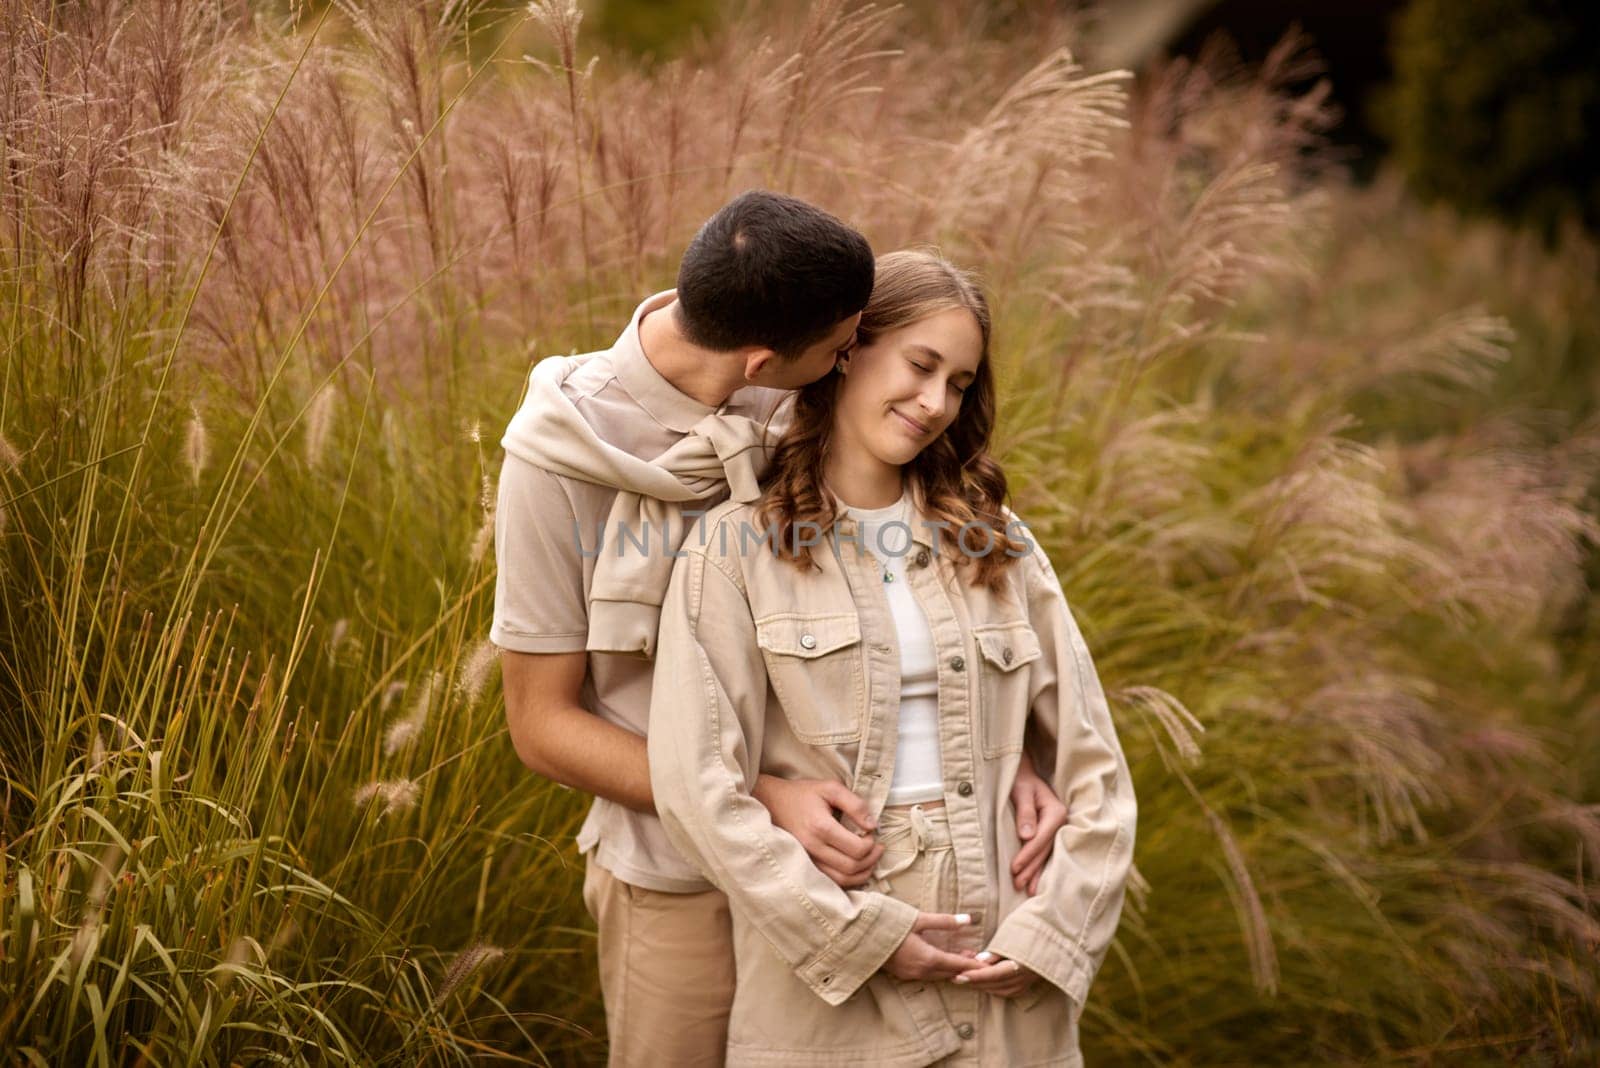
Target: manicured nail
(985, 956)
(963, 918)
(1025, 829)
(961, 979)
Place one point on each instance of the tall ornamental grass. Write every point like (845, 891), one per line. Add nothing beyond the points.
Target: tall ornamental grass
(1316, 467)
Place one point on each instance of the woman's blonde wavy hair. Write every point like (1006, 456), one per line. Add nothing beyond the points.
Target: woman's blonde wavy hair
(954, 479)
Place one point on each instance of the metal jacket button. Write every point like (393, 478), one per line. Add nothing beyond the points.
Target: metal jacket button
(922, 558)
(965, 1031)
(808, 641)
(958, 663)
(1006, 656)
(964, 788)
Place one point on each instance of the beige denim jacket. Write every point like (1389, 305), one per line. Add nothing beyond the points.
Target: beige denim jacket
(764, 668)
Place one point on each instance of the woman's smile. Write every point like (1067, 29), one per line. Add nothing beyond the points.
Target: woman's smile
(916, 429)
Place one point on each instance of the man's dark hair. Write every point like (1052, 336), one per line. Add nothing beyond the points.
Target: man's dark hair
(773, 271)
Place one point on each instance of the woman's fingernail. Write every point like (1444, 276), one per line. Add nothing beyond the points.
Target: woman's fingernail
(985, 955)
(963, 918)
(1026, 828)
(960, 979)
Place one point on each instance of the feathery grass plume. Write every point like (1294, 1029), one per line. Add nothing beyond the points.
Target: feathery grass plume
(341, 644)
(1325, 520)
(391, 693)
(1150, 465)
(240, 951)
(1511, 521)
(319, 424)
(834, 56)
(87, 935)
(1389, 737)
(561, 19)
(482, 538)
(10, 458)
(196, 446)
(467, 963)
(1045, 127)
(1461, 350)
(760, 78)
(475, 672)
(396, 795)
(1138, 890)
(403, 732)
(1179, 723)
(1247, 904)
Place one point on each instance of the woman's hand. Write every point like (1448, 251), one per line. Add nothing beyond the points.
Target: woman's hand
(809, 809)
(1040, 814)
(918, 959)
(1000, 976)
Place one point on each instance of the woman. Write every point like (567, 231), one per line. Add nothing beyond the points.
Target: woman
(881, 619)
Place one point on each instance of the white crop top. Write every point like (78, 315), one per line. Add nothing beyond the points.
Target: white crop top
(886, 534)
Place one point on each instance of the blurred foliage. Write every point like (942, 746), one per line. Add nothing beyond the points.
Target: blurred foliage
(1314, 463)
(651, 27)
(1495, 106)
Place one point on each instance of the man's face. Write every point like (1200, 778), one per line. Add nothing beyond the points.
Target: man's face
(810, 365)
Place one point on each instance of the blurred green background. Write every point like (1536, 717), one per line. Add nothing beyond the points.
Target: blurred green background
(1299, 393)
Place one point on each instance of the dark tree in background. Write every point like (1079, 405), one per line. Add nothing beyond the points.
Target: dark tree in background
(1495, 106)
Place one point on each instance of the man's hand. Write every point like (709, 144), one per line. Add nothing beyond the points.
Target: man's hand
(809, 809)
(1040, 814)
(998, 976)
(919, 959)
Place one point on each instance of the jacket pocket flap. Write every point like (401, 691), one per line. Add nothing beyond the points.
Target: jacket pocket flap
(1008, 645)
(807, 636)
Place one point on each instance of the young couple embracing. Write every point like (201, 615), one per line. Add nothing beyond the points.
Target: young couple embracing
(845, 739)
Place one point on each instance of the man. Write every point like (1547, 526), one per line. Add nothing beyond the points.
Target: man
(606, 450)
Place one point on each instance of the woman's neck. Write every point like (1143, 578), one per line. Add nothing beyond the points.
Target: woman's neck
(859, 480)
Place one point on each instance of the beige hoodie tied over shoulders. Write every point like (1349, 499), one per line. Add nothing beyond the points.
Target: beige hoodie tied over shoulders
(722, 456)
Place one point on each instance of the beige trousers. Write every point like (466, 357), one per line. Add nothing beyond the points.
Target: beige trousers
(666, 971)
(918, 867)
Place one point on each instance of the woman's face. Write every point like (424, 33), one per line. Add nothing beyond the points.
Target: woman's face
(903, 391)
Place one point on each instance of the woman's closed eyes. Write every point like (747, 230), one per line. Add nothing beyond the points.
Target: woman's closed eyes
(925, 369)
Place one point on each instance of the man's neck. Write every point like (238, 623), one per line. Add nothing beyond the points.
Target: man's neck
(709, 377)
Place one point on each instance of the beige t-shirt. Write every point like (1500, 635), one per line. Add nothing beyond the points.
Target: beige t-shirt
(549, 530)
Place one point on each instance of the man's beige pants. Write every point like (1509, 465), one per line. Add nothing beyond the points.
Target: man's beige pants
(666, 971)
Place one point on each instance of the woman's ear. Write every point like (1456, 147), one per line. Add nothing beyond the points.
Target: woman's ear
(841, 362)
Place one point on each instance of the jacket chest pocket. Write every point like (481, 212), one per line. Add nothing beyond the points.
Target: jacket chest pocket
(814, 664)
(1004, 683)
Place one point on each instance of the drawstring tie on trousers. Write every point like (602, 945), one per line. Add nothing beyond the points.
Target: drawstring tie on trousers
(917, 828)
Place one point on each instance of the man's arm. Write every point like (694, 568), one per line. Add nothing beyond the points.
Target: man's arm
(560, 739)
(540, 620)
